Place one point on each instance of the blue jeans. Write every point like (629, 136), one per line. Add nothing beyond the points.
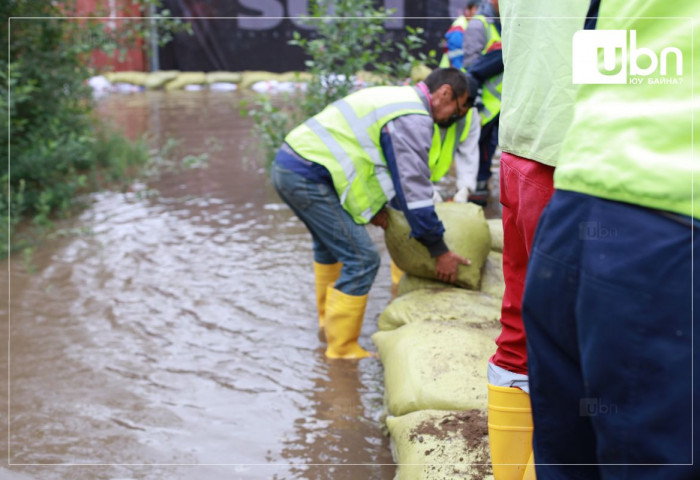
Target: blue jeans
(336, 237)
(607, 313)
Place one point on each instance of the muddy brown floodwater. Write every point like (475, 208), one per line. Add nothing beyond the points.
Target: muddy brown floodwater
(172, 333)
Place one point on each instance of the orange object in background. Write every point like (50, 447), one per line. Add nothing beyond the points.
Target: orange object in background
(135, 59)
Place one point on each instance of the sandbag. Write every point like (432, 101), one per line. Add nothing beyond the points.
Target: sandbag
(409, 283)
(438, 445)
(420, 72)
(186, 78)
(223, 77)
(134, 78)
(492, 282)
(446, 304)
(496, 229)
(251, 77)
(466, 233)
(295, 77)
(435, 365)
(372, 79)
(158, 79)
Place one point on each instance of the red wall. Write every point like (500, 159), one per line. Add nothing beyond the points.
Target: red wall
(135, 58)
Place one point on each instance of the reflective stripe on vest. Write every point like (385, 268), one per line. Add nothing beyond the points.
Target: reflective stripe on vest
(442, 150)
(345, 138)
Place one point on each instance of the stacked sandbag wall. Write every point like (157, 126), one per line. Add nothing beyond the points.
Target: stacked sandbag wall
(259, 81)
(434, 341)
(175, 80)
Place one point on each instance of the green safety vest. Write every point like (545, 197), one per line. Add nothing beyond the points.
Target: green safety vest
(460, 22)
(633, 142)
(345, 138)
(442, 150)
(538, 104)
(491, 90)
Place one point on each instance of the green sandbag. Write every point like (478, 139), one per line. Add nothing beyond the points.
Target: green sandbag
(223, 77)
(466, 233)
(496, 228)
(492, 282)
(438, 445)
(187, 78)
(158, 79)
(420, 72)
(294, 77)
(435, 365)
(251, 77)
(446, 304)
(134, 78)
(372, 79)
(409, 283)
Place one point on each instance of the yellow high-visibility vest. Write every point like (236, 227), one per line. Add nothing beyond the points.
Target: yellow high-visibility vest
(345, 138)
(442, 150)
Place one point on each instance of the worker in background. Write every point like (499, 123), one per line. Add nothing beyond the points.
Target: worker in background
(608, 303)
(482, 45)
(339, 169)
(458, 145)
(537, 110)
(453, 53)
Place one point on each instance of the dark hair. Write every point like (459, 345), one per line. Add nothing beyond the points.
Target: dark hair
(472, 3)
(451, 76)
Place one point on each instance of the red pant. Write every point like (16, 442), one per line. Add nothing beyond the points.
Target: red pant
(526, 186)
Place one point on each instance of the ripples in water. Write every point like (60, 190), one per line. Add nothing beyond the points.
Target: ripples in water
(182, 330)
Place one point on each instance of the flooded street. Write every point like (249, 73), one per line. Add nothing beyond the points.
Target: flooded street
(173, 333)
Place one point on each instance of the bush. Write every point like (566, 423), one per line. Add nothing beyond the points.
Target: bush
(57, 146)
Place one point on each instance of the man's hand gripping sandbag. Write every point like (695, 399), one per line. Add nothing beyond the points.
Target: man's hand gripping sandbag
(466, 234)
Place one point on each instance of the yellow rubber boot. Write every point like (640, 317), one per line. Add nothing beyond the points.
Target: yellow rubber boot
(396, 273)
(510, 433)
(344, 315)
(325, 276)
(530, 468)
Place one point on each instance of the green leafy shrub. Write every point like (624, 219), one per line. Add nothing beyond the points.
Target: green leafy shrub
(57, 146)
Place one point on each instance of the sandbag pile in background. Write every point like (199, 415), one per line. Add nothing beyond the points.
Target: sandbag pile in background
(219, 81)
(434, 341)
(259, 81)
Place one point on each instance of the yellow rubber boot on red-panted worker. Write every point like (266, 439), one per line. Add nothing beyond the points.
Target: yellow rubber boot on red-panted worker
(510, 434)
(325, 276)
(344, 315)
(530, 468)
(396, 273)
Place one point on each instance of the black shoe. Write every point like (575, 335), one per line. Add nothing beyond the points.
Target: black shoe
(480, 196)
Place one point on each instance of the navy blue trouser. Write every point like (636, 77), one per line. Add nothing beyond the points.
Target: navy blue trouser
(609, 325)
(488, 141)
